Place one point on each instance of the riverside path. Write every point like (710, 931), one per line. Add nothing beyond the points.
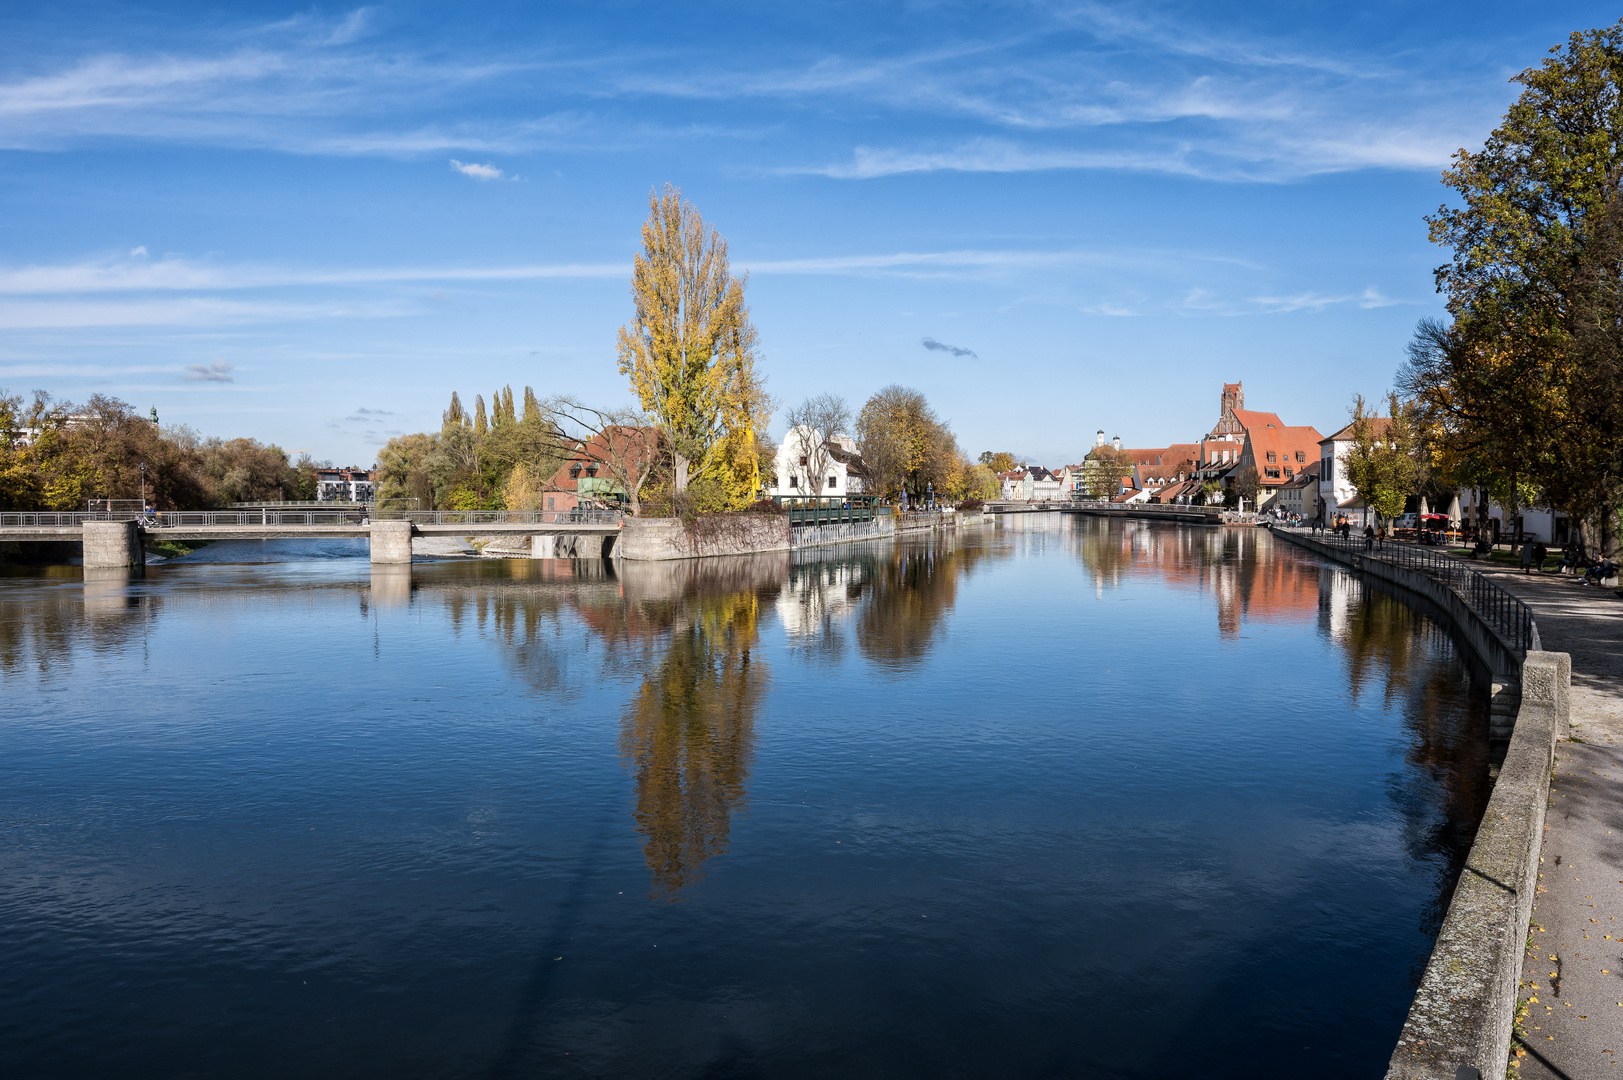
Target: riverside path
(1572, 976)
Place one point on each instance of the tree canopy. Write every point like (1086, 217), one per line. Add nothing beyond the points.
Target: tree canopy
(690, 348)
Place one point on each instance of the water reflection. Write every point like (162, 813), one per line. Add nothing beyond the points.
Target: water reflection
(371, 815)
(689, 733)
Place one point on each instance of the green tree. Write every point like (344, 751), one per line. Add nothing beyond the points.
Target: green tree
(1384, 462)
(1509, 387)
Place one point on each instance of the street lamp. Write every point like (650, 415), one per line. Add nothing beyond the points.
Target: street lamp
(143, 487)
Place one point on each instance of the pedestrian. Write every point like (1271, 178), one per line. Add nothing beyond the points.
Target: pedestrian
(1540, 553)
(1369, 537)
(1527, 557)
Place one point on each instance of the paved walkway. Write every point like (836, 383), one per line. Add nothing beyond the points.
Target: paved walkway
(1572, 978)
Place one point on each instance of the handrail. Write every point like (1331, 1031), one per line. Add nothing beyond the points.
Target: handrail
(267, 517)
(1499, 608)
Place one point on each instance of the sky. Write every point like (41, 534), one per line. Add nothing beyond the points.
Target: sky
(310, 224)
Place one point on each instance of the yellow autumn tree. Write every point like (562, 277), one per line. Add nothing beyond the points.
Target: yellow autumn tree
(689, 348)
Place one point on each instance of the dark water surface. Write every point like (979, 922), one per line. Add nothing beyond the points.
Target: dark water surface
(1060, 798)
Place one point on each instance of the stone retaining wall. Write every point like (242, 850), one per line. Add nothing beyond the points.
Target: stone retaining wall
(659, 539)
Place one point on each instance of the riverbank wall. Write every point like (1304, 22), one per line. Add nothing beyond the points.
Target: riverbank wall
(664, 539)
(1463, 1013)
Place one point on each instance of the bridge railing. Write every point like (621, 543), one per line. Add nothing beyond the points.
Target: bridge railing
(1505, 613)
(174, 519)
(577, 516)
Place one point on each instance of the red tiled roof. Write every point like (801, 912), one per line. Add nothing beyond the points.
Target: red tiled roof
(1285, 443)
(1251, 419)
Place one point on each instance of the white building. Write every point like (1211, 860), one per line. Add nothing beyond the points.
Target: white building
(796, 460)
(346, 485)
(1337, 496)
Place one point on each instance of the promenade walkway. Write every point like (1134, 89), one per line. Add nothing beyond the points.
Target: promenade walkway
(1573, 975)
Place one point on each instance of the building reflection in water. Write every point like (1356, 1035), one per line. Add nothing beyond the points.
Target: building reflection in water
(1397, 648)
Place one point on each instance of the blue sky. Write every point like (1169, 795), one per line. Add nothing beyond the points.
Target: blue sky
(311, 224)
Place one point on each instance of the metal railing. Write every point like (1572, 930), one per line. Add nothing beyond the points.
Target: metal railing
(830, 515)
(172, 519)
(577, 516)
(1507, 615)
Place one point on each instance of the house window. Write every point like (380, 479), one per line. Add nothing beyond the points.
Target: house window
(1272, 457)
(803, 459)
(794, 481)
(832, 482)
(574, 471)
(1289, 471)
(1273, 474)
(549, 502)
(1301, 457)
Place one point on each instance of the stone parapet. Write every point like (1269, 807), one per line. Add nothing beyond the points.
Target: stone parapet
(1464, 1011)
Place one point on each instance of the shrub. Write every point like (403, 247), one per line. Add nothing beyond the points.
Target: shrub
(973, 506)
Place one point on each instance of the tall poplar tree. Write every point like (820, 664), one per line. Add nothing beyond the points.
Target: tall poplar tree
(689, 348)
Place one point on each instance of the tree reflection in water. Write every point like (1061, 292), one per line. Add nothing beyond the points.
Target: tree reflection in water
(688, 733)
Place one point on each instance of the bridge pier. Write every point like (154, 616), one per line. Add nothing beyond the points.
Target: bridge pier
(390, 542)
(112, 544)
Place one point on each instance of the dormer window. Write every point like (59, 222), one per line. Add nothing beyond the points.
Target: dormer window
(574, 470)
(591, 470)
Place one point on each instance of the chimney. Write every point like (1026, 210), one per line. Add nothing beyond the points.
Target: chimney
(1116, 443)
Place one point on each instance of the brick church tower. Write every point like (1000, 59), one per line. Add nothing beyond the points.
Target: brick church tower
(1228, 425)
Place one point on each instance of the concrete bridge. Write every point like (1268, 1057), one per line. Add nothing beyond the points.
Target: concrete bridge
(118, 543)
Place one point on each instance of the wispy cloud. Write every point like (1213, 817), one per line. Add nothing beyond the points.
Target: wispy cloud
(181, 311)
(176, 274)
(940, 346)
(214, 371)
(478, 172)
(1313, 301)
(1090, 86)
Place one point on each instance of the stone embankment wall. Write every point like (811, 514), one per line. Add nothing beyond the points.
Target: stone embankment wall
(1464, 1011)
(658, 539)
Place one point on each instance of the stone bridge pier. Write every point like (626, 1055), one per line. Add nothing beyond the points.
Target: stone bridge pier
(109, 544)
(390, 542)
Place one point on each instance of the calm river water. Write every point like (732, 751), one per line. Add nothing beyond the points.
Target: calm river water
(1058, 798)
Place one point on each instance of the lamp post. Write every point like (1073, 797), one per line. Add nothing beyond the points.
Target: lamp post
(143, 487)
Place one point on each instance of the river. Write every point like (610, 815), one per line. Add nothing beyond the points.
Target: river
(1063, 797)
